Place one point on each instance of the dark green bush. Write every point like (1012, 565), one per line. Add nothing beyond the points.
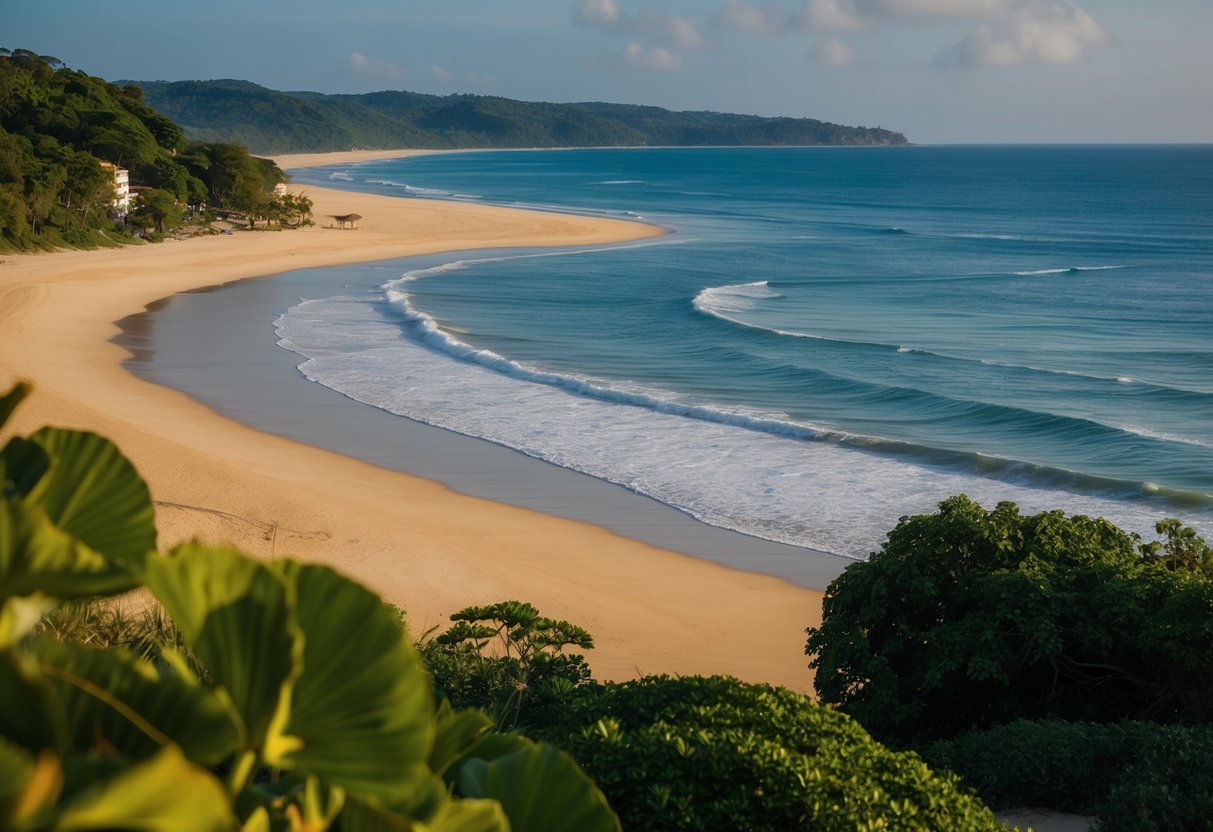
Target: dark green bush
(1168, 789)
(715, 753)
(972, 618)
(508, 660)
(1136, 776)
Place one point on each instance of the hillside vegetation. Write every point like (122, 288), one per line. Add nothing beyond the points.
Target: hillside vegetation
(58, 125)
(269, 121)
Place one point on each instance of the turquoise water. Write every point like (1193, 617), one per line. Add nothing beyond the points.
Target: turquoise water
(829, 339)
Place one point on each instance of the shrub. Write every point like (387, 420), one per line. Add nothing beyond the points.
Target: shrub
(716, 753)
(1133, 775)
(508, 660)
(972, 618)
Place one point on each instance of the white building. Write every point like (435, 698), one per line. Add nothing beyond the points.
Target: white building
(122, 185)
(280, 189)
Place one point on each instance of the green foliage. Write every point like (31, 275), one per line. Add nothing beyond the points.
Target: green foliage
(233, 178)
(1132, 775)
(534, 785)
(1181, 549)
(291, 210)
(57, 125)
(310, 707)
(282, 122)
(507, 659)
(716, 753)
(156, 209)
(971, 618)
(75, 521)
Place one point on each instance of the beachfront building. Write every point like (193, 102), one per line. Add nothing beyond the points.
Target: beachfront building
(280, 189)
(122, 186)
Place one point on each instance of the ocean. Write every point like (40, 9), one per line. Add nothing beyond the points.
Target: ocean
(827, 340)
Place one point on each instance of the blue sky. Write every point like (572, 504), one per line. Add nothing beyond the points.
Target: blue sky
(938, 70)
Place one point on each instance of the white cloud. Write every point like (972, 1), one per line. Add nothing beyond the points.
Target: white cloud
(940, 8)
(685, 33)
(752, 20)
(651, 24)
(1007, 33)
(1037, 32)
(831, 52)
(598, 13)
(359, 64)
(656, 58)
(832, 15)
(440, 75)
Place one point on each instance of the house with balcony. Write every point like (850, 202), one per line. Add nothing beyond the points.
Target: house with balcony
(122, 186)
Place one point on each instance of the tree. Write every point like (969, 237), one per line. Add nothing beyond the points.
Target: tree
(156, 209)
(1182, 548)
(88, 189)
(56, 124)
(507, 659)
(972, 618)
(234, 179)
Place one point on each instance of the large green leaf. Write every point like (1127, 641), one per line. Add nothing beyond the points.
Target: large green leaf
(38, 558)
(22, 464)
(111, 698)
(30, 715)
(16, 770)
(362, 710)
(93, 493)
(10, 400)
(540, 788)
(236, 615)
(162, 794)
(29, 787)
(448, 816)
(468, 816)
(458, 732)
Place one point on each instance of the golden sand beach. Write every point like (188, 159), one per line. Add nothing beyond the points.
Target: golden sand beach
(422, 546)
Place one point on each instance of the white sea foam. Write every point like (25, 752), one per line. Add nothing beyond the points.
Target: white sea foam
(756, 473)
(719, 301)
(1150, 433)
(412, 189)
(619, 182)
(1069, 270)
(341, 176)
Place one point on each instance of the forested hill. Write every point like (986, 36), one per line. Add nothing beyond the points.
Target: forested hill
(59, 127)
(268, 121)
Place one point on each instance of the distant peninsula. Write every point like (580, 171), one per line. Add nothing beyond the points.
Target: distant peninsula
(269, 122)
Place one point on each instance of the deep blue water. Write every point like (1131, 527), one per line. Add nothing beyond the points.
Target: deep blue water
(829, 339)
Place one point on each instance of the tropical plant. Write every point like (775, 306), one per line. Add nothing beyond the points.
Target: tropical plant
(507, 659)
(313, 708)
(697, 753)
(290, 210)
(973, 618)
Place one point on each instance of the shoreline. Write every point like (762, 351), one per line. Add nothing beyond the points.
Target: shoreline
(237, 368)
(428, 549)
